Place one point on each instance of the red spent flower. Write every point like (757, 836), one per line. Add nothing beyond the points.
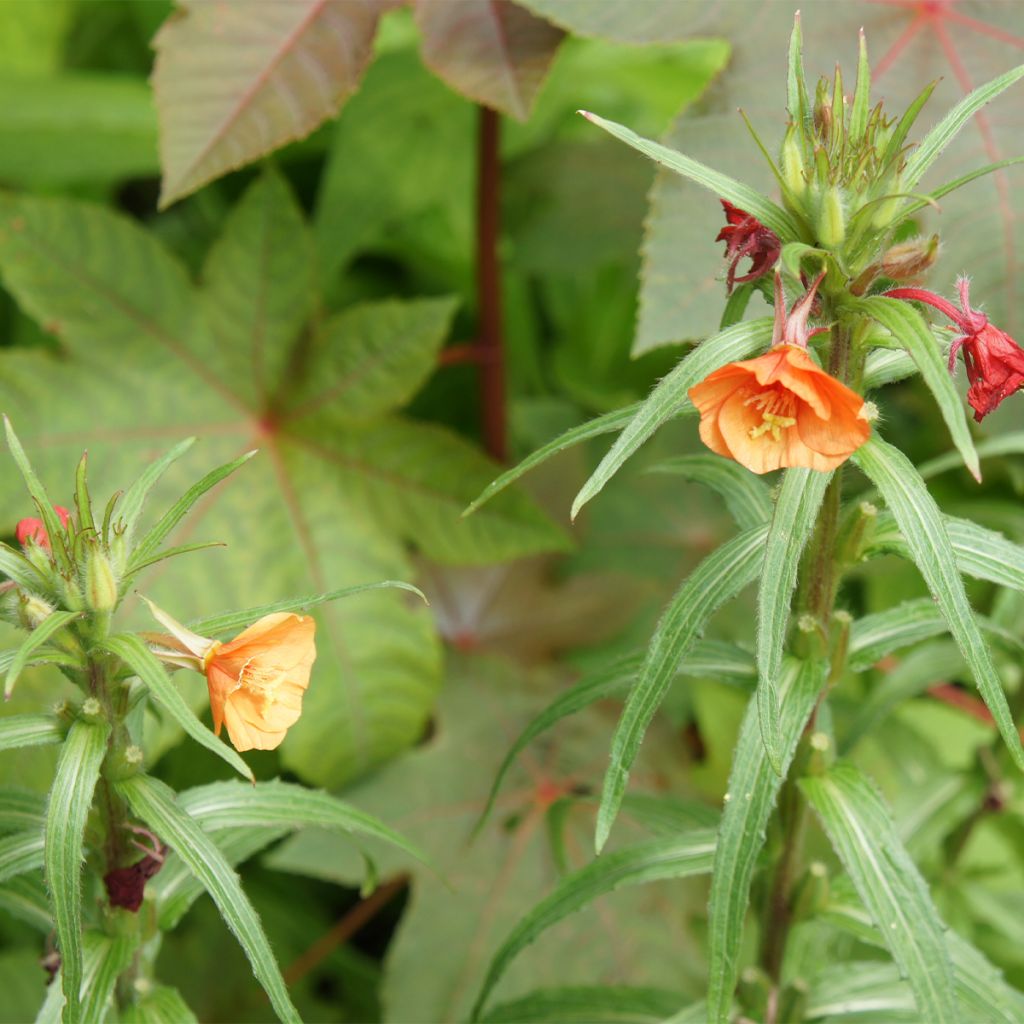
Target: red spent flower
(994, 361)
(746, 237)
(34, 530)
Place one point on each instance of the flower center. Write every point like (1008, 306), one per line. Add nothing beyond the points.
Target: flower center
(775, 407)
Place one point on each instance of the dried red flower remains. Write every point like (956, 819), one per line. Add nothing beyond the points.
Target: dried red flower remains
(746, 237)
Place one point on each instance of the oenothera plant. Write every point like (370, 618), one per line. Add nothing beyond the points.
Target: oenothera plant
(790, 393)
(148, 852)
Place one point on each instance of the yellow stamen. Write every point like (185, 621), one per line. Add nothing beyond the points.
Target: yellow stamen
(773, 406)
(775, 424)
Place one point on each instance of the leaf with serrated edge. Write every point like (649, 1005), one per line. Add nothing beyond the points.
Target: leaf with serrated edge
(753, 788)
(678, 857)
(793, 522)
(860, 827)
(719, 578)
(155, 804)
(922, 525)
(74, 780)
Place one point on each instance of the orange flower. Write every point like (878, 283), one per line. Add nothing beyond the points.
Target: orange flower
(780, 409)
(257, 680)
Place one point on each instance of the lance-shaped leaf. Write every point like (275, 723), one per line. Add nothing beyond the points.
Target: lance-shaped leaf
(746, 496)
(669, 397)
(155, 804)
(161, 1005)
(21, 809)
(746, 198)
(793, 523)
(20, 569)
(678, 857)
(134, 500)
(29, 731)
(753, 788)
(922, 526)
(52, 624)
(74, 780)
(908, 327)
(141, 661)
(281, 69)
(20, 852)
(494, 53)
(861, 829)
(719, 578)
(25, 899)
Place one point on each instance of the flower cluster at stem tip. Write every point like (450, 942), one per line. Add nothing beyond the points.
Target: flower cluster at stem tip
(846, 185)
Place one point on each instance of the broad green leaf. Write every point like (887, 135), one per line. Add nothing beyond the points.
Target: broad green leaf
(75, 778)
(161, 1005)
(141, 660)
(743, 196)
(20, 852)
(282, 69)
(655, 21)
(669, 397)
(753, 788)
(793, 522)
(615, 420)
(922, 525)
(134, 500)
(74, 127)
(719, 578)
(258, 290)
(746, 496)
(224, 805)
(216, 625)
(25, 898)
(372, 359)
(496, 54)
(860, 827)
(874, 636)
(931, 146)
(909, 328)
(155, 804)
(598, 1004)
(52, 624)
(29, 731)
(678, 857)
(706, 658)
(151, 542)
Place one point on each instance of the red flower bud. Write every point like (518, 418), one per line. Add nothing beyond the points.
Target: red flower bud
(746, 237)
(994, 361)
(34, 530)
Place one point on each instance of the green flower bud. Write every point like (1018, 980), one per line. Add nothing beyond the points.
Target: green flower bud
(793, 170)
(909, 260)
(32, 610)
(831, 219)
(100, 583)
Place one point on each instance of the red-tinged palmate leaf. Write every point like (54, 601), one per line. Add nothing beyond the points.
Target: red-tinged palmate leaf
(909, 47)
(492, 51)
(234, 81)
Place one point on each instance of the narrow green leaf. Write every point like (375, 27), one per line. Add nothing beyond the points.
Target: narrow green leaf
(141, 660)
(661, 859)
(720, 577)
(52, 624)
(909, 328)
(669, 396)
(797, 103)
(746, 496)
(862, 96)
(214, 625)
(29, 731)
(906, 122)
(135, 497)
(155, 804)
(952, 186)
(223, 805)
(852, 988)
(180, 508)
(922, 525)
(883, 366)
(106, 958)
(162, 1005)
(724, 187)
(21, 810)
(78, 769)
(82, 500)
(55, 531)
(596, 1004)
(931, 146)
(21, 570)
(1005, 444)
(181, 549)
(753, 788)
(615, 420)
(25, 898)
(861, 830)
(706, 658)
(793, 522)
(20, 853)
